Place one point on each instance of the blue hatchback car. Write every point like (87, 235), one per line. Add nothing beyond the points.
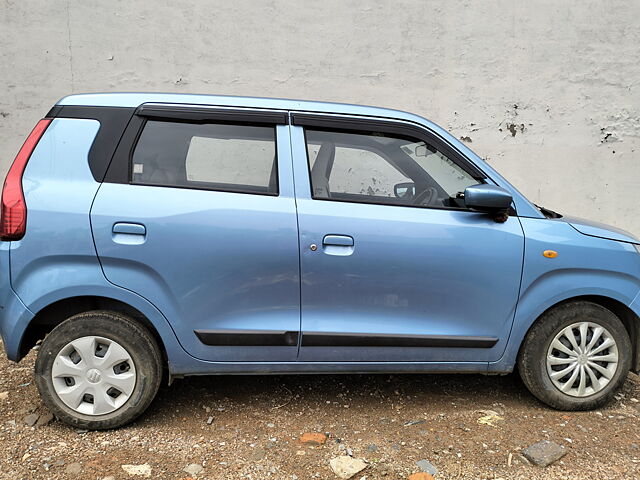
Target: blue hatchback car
(153, 234)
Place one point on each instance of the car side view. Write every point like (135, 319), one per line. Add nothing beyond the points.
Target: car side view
(164, 235)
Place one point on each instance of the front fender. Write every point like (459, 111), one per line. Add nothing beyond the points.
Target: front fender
(585, 266)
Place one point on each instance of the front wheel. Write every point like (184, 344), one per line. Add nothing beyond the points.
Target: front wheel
(576, 356)
(98, 370)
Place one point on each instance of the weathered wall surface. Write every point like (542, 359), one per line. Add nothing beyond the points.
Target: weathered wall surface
(548, 91)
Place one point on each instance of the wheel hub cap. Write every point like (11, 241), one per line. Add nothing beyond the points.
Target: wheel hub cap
(582, 359)
(93, 375)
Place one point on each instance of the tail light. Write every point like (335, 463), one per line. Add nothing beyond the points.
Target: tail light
(13, 214)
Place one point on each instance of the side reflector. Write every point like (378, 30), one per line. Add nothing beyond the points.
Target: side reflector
(550, 253)
(13, 216)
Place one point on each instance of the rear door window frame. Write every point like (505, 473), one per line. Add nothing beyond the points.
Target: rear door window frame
(121, 166)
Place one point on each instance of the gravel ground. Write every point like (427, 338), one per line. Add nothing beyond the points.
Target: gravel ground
(250, 427)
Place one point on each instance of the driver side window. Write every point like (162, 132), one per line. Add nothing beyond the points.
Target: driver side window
(377, 168)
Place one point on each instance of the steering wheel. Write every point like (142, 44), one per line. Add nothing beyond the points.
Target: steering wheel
(426, 196)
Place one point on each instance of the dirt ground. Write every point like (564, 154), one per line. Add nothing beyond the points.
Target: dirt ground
(249, 427)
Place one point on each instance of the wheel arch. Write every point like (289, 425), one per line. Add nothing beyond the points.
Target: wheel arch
(625, 314)
(48, 317)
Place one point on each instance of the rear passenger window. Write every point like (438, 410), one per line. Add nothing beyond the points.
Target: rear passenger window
(236, 158)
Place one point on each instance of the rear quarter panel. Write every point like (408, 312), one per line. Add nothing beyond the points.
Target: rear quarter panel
(57, 259)
(59, 190)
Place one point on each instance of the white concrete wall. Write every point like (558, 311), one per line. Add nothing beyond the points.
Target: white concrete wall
(547, 90)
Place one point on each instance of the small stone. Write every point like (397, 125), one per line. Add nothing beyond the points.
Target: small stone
(143, 470)
(427, 467)
(271, 425)
(490, 419)
(193, 469)
(544, 453)
(73, 469)
(4, 395)
(346, 467)
(110, 477)
(45, 419)
(31, 419)
(421, 476)
(209, 420)
(29, 408)
(313, 438)
(372, 448)
(414, 422)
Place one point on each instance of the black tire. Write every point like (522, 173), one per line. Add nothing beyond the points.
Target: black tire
(134, 338)
(532, 363)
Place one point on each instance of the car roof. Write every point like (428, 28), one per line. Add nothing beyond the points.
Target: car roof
(137, 99)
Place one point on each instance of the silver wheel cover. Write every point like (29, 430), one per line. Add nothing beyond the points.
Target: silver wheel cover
(582, 359)
(93, 375)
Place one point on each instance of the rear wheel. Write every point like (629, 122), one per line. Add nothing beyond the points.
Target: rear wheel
(98, 370)
(576, 356)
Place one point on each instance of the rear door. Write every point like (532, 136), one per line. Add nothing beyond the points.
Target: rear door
(197, 215)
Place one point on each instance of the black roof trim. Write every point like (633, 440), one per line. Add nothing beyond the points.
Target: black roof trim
(196, 114)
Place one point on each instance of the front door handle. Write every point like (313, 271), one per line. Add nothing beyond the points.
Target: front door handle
(338, 240)
(340, 245)
(129, 228)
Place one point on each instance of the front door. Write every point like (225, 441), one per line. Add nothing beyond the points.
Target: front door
(393, 266)
(205, 229)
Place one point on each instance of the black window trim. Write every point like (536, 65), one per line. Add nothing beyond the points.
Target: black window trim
(346, 123)
(121, 168)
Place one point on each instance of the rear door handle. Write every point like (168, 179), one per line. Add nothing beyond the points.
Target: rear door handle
(338, 240)
(129, 228)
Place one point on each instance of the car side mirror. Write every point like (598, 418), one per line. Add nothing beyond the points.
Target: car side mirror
(489, 199)
(404, 190)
